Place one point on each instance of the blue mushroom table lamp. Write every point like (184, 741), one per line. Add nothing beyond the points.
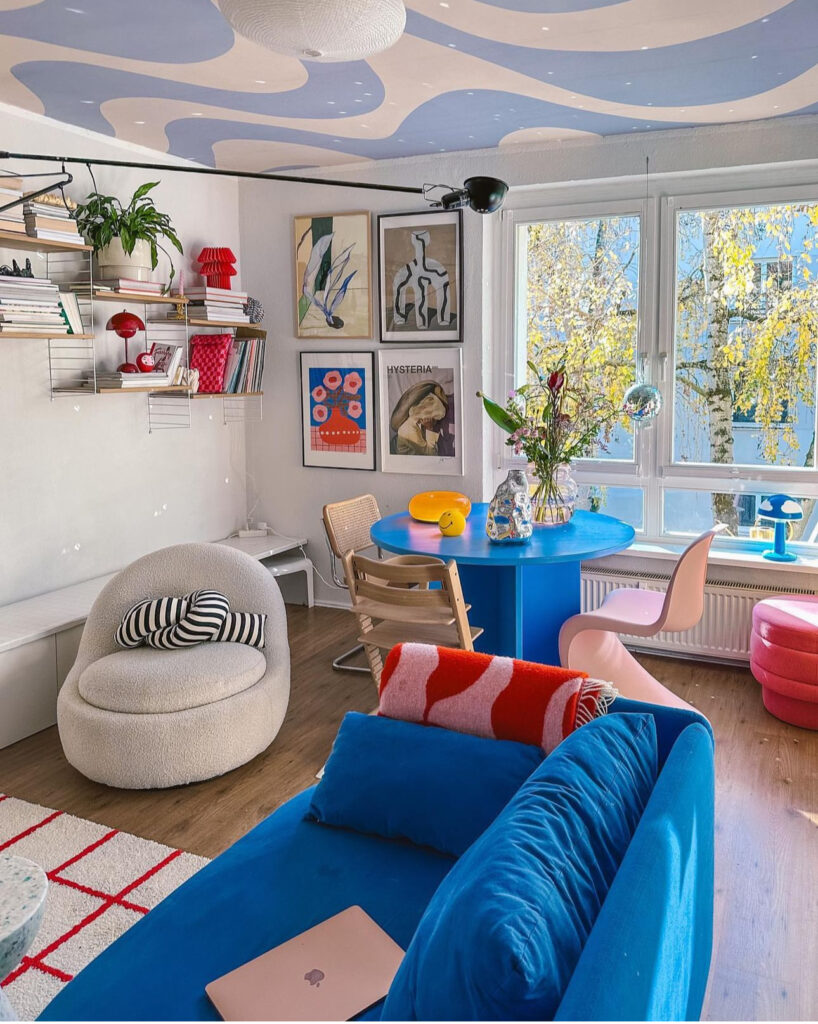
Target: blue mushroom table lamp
(781, 508)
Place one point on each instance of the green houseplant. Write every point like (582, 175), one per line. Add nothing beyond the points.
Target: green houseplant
(127, 239)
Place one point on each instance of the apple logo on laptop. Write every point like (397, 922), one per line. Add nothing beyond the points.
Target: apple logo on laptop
(314, 977)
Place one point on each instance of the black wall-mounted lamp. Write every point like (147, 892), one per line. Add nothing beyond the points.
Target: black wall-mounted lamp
(481, 194)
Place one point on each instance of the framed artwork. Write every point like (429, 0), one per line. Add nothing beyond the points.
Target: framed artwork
(421, 411)
(338, 409)
(332, 276)
(420, 266)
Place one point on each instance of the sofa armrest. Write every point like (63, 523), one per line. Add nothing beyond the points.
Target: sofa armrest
(648, 954)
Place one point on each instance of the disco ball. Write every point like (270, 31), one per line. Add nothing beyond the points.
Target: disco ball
(642, 403)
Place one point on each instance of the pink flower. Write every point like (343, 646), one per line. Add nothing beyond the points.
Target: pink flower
(355, 409)
(352, 383)
(319, 393)
(319, 413)
(332, 379)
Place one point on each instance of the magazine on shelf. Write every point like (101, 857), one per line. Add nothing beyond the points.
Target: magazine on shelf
(71, 308)
(167, 358)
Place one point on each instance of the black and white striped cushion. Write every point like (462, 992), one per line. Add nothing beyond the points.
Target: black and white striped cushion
(169, 623)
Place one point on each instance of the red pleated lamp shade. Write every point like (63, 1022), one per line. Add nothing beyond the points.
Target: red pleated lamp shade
(217, 265)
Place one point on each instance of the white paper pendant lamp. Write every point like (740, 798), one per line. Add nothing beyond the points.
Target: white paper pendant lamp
(322, 30)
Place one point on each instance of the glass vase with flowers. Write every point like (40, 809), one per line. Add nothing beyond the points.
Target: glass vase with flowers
(552, 420)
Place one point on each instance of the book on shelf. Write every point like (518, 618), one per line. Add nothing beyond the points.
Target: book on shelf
(202, 292)
(53, 236)
(123, 381)
(128, 284)
(58, 224)
(12, 183)
(15, 227)
(167, 359)
(235, 313)
(46, 330)
(245, 366)
(71, 309)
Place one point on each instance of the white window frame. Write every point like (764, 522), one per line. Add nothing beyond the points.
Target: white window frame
(652, 468)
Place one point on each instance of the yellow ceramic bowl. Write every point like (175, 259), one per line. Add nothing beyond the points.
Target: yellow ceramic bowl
(452, 523)
(429, 506)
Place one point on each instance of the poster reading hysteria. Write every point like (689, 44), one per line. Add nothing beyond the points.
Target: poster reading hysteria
(421, 411)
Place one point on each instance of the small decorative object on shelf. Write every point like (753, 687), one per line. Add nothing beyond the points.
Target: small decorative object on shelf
(208, 355)
(217, 266)
(510, 515)
(642, 403)
(452, 523)
(429, 506)
(781, 508)
(125, 325)
(145, 360)
(254, 310)
(553, 421)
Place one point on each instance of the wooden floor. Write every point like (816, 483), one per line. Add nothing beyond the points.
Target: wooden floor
(765, 955)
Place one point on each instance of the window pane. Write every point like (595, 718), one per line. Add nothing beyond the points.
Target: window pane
(625, 503)
(692, 512)
(746, 323)
(577, 302)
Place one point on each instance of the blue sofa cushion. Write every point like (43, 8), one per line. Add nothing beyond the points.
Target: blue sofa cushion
(505, 929)
(431, 786)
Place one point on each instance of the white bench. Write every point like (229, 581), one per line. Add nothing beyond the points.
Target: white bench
(39, 636)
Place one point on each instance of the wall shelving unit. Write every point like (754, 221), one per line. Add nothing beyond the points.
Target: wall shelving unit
(72, 357)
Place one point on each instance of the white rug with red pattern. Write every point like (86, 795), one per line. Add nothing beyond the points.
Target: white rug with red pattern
(101, 881)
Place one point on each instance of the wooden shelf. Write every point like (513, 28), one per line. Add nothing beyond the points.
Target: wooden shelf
(48, 337)
(177, 390)
(228, 394)
(15, 240)
(104, 295)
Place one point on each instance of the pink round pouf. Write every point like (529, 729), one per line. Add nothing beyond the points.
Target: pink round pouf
(784, 657)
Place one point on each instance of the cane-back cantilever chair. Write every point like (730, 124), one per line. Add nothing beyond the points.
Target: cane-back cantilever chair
(347, 525)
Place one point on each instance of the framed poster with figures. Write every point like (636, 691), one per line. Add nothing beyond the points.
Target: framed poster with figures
(421, 411)
(420, 265)
(332, 276)
(338, 409)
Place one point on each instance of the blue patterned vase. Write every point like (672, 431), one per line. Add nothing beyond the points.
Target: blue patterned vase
(509, 516)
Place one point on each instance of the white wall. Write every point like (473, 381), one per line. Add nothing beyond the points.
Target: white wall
(290, 496)
(81, 480)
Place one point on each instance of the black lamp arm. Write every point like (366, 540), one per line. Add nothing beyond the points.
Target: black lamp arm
(259, 175)
(65, 180)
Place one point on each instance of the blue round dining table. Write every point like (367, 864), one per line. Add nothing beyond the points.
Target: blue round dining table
(519, 593)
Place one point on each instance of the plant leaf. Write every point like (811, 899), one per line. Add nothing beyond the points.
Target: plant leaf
(499, 415)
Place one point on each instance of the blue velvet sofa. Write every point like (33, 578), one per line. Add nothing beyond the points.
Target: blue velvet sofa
(646, 957)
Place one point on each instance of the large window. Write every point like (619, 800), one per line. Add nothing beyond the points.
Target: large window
(721, 312)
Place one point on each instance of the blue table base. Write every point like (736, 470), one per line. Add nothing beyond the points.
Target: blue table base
(521, 607)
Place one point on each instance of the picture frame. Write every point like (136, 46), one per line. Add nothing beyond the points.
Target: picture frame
(338, 410)
(421, 411)
(333, 275)
(420, 277)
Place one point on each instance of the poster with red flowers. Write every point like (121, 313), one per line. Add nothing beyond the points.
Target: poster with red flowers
(337, 409)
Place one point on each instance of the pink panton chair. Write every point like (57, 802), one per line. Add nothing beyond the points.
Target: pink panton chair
(589, 641)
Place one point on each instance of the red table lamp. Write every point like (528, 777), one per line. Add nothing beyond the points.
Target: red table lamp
(125, 325)
(217, 265)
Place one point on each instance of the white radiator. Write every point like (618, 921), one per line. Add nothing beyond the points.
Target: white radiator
(723, 634)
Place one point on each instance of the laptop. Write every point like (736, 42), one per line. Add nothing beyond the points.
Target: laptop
(333, 971)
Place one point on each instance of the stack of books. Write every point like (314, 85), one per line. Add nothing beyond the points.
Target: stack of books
(11, 220)
(221, 305)
(110, 380)
(129, 284)
(245, 366)
(33, 305)
(50, 220)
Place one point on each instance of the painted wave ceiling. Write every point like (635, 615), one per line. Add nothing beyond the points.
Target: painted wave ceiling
(467, 74)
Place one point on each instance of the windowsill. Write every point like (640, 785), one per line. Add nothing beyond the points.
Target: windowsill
(745, 558)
